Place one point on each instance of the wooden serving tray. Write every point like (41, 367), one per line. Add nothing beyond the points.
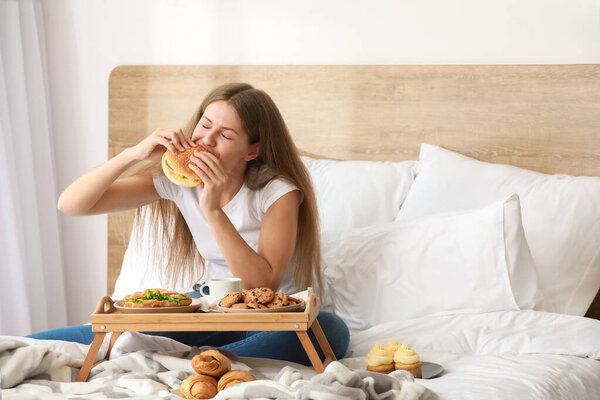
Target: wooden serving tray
(106, 318)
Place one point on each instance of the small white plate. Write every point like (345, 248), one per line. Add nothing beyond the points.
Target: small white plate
(144, 310)
(430, 370)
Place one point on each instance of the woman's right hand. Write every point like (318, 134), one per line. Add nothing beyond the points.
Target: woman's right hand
(154, 146)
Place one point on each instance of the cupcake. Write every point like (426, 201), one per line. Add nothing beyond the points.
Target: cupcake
(378, 360)
(406, 359)
(391, 347)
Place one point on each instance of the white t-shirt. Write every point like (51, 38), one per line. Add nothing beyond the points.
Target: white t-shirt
(245, 211)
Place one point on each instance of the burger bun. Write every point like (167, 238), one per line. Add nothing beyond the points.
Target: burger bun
(175, 167)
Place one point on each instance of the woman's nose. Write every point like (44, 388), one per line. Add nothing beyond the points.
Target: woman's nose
(210, 138)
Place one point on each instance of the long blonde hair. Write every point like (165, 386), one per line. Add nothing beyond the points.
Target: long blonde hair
(263, 122)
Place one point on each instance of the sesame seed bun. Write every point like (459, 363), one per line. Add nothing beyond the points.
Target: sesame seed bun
(176, 167)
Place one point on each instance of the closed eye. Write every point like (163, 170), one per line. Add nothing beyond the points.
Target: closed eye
(228, 138)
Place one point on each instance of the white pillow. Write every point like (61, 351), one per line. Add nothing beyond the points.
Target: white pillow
(359, 193)
(440, 264)
(561, 216)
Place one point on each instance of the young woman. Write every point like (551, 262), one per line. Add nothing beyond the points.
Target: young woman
(254, 218)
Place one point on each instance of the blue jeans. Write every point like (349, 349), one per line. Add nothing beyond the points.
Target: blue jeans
(281, 345)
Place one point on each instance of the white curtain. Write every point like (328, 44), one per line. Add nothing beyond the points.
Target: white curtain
(32, 294)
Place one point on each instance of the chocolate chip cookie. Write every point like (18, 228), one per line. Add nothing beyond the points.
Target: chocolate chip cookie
(256, 305)
(279, 300)
(247, 297)
(231, 299)
(262, 295)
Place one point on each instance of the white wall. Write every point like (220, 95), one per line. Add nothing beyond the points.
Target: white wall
(87, 39)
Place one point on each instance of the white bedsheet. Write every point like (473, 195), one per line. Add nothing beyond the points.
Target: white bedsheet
(500, 355)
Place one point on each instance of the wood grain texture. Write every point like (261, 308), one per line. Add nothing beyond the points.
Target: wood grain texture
(539, 117)
(86, 367)
(323, 343)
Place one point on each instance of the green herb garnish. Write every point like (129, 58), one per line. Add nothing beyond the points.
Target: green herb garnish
(157, 295)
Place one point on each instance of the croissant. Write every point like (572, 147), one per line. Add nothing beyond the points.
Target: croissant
(234, 377)
(211, 362)
(199, 387)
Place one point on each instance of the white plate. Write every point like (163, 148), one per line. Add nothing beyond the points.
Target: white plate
(138, 310)
(293, 307)
(430, 370)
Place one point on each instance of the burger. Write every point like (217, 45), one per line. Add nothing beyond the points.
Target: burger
(175, 167)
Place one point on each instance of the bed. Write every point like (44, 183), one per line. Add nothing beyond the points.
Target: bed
(480, 236)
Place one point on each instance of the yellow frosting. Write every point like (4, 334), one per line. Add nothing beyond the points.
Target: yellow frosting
(391, 347)
(378, 356)
(406, 355)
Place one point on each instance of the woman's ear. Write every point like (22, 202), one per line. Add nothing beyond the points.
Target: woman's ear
(253, 152)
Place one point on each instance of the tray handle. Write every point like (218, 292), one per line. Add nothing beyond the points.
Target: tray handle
(101, 307)
(313, 304)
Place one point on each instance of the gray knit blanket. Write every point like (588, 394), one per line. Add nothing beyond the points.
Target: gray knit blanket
(36, 371)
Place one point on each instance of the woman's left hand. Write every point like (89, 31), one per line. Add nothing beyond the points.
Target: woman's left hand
(208, 167)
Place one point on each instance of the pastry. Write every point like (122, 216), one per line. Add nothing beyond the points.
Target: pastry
(406, 359)
(262, 295)
(231, 299)
(234, 377)
(211, 362)
(378, 360)
(156, 298)
(199, 387)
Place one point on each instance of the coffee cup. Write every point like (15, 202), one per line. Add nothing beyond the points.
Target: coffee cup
(221, 287)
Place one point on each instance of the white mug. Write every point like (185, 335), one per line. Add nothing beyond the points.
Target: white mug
(221, 287)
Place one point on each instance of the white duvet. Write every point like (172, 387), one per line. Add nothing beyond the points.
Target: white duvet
(499, 355)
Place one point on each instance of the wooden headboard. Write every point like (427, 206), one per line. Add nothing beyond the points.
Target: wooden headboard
(540, 117)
